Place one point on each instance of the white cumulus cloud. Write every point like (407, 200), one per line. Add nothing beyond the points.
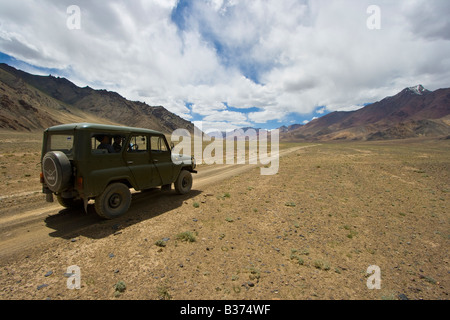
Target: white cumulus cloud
(274, 58)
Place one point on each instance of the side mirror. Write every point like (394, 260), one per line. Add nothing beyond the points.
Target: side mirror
(172, 146)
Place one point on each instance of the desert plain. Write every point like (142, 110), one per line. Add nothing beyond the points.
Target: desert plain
(309, 232)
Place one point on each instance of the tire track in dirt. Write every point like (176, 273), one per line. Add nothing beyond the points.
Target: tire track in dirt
(28, 229)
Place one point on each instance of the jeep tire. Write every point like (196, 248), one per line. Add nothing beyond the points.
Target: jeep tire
(114, 201)
(57, 171)
(183, 184)
(69, 202)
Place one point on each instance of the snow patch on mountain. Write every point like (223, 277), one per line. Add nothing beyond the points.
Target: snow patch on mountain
(419, 90)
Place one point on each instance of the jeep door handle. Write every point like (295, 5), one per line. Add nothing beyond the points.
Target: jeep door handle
(155, 160)
(130, 162)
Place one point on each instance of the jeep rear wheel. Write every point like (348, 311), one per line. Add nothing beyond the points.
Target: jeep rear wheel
(69, 202)
(114, 201)
(184, 182)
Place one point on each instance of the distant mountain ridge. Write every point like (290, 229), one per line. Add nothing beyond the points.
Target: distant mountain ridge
(31, 102)
(414, 112)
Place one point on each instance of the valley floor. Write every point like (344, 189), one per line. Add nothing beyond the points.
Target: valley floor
(309, 232)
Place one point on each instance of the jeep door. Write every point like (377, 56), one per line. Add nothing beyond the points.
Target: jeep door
(161, 157)
(137, 157)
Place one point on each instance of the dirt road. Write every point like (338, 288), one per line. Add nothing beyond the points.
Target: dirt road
(30, 221)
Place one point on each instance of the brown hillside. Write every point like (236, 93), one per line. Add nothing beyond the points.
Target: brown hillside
(31, 102)
(411, 113)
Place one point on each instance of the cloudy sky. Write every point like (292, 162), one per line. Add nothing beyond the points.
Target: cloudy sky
(235, 63)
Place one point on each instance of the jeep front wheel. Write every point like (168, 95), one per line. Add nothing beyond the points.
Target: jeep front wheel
(184, 182)
(114, 201)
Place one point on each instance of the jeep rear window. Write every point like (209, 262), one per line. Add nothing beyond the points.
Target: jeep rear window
(60, 142)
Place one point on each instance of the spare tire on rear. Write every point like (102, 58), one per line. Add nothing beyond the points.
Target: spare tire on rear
(57, 171)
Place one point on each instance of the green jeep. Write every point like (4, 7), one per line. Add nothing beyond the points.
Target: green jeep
(84, 161)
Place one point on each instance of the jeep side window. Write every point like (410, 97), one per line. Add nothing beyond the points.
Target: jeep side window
(118, 143)
(101, 144)
(138, 143)
(158, 144)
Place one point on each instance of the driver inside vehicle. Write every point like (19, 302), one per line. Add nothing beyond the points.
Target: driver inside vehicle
(117, 145)
(105, 143)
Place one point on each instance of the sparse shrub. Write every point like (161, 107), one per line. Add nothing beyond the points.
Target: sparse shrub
(120, 287)
(351, 234)
(305, 252)
(430, 279)
(223, 196)
(290, 204)
(196, 205)
(187, 236)
(322, 265)
(163, 293)
(161, 243)
(255, 274)
(295, 256)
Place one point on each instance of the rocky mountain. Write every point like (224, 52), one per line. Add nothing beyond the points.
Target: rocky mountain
(414, 112)
(30, 102)
(284, 129)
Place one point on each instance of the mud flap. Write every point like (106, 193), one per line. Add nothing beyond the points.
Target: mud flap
(49, 197)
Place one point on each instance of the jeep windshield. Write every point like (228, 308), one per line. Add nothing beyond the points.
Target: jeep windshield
(60, 142)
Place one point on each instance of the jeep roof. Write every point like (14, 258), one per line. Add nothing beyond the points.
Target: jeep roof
(102, 127)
